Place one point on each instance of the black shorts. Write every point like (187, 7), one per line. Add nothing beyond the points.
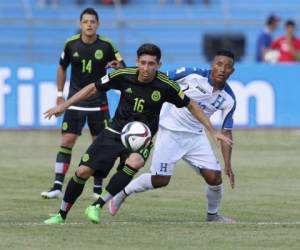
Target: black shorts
(105, 150)
(74, 120)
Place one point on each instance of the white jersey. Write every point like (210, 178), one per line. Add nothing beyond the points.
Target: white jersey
(197, 85)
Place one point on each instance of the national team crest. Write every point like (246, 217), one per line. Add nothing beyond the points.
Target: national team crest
(65, 126)
(98, 54)
(85, 157)
(155, 96)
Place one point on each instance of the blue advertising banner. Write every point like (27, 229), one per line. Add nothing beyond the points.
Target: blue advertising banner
(267, 96)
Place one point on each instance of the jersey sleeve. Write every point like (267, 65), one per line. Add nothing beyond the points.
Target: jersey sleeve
(228, 117)
(65, 57)
(175, 94)
(109, 81)
(182, 72)
(115, 53)
(228, 112)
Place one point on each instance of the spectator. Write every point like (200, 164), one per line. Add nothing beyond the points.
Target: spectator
(105, 2)
(288, 45)
(265, 39)
(111, 2)
(176, 1)
(43, 3)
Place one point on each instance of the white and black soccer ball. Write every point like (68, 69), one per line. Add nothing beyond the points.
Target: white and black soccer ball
(135, 136)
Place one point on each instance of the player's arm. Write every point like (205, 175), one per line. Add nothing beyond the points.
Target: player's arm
(83, 94)
(115, 64)
(104, 84)
(226, 152)
(64, 62)
(61, 79)
(198, 113)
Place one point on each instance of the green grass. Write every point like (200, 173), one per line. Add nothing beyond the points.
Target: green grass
(265, 202)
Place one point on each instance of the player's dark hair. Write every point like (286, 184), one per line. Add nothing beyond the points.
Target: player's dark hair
(89, 11)
(149, 49)
(224, 52)
(290, 23)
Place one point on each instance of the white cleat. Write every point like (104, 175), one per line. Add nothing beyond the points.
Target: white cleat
(219, 218)
(52, 194)
(115, 203)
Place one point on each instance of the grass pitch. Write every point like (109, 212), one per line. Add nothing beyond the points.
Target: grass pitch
(265, 202)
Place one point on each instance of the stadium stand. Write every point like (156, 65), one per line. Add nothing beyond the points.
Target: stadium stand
(30, 33)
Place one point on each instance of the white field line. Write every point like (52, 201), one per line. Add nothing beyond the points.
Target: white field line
(133, 223)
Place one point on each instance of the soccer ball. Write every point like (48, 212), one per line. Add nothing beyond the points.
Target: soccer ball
(135, 136)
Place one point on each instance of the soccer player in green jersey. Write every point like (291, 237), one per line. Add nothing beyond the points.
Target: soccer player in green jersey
(143, 92)
(89, 55)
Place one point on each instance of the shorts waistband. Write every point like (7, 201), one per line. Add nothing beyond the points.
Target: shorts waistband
(101, 108)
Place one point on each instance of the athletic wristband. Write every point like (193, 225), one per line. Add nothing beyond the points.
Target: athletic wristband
(59, 94)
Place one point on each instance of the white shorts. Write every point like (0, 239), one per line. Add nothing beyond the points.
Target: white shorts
(171, 146)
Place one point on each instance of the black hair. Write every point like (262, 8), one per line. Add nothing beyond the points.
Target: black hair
(224, 52)
(89, 11)
(272, 19)
(290, 23)
(149, 49)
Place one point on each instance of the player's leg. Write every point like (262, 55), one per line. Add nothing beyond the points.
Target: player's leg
(204, 161)
(167, 152)
(214, 194)
(121, 178)
(108, 150)
(73, 191)
(97, 121)
(71, 129)
(90, 162)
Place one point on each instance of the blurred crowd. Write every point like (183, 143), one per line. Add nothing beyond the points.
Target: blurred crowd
(283, 49)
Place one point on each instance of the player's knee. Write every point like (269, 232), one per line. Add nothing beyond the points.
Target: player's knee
(159, 181)
(68, 140)
(212, 177)
(214, 180)
(84, 172)
(135, 161)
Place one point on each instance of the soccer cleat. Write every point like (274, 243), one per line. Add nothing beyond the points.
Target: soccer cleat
(219, 218)
(52, 194)
(93, 213)
(115, 203)
(55, 220)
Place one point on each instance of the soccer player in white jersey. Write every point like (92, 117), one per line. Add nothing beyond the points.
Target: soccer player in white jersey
(181, 136)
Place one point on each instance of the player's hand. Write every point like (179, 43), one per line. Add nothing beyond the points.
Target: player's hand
(114, 64)
(56, 111)
(228, 171)
(218, 137)
(60, 100)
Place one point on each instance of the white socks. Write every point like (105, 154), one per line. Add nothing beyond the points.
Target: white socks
(213, 195)
(139, 184)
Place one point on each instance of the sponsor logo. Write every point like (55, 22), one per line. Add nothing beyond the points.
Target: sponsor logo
(201, 90)
(76, 54)
(128, 90)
